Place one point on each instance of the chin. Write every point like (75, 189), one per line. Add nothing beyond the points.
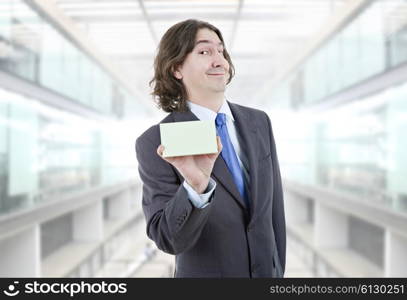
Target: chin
(219, 87)
(219, 90)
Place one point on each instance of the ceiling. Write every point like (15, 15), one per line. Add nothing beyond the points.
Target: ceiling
(262, 36)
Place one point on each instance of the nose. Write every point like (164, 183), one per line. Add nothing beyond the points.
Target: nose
(219, 61)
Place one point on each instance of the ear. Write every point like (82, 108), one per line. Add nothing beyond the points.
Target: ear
(177, 74)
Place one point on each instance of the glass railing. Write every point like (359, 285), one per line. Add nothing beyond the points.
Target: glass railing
(357, 149)
(47, 153)
(372, 43)
(36, 50)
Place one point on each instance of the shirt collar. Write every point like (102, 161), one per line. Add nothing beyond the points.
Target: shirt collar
(204, 113)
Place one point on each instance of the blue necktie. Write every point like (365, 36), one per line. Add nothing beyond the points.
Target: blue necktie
(229, 155)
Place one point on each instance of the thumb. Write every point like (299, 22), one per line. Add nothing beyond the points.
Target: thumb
(219, 142)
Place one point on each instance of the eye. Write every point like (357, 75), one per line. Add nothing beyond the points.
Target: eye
(203, 51)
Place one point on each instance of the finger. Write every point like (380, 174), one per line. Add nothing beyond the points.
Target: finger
(220, 146)
(160, 151)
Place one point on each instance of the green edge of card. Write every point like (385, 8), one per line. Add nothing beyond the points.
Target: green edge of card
(188, 138)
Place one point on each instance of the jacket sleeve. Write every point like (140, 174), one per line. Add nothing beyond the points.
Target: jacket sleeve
(278, 216)
(173, 222)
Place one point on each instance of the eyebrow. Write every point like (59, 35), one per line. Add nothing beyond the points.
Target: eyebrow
(207, 42)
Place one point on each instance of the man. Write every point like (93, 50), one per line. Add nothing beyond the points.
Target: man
(220, 215)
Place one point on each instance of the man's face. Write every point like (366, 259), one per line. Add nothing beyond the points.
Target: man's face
(205, 70)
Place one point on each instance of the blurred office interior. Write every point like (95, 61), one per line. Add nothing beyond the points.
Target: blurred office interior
(74, 96)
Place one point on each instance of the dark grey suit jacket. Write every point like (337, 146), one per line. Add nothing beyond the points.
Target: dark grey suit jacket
(224, 239)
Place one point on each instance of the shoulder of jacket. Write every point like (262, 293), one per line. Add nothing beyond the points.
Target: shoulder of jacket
(252, 112)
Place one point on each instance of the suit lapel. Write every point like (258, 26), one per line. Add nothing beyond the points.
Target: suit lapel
(221, 173)
(247, 131)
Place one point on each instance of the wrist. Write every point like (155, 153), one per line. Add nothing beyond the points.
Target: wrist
(200, 187)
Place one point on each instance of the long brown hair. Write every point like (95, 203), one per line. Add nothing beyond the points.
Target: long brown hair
(179, 40)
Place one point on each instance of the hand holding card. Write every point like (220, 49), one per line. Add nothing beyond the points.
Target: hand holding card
(193, 148)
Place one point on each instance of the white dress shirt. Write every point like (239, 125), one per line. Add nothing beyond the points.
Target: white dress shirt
(203, 113)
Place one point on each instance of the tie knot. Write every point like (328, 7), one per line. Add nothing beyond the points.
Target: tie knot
(220, 119)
